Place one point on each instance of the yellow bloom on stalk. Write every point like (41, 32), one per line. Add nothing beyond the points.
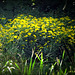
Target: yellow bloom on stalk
(36, 30)
(3, 18)
(14, 26)
(49, 36)
(32, 30)
(48, 41)
(72, 37)
(45, 30)
(26, 30)
(53, 29)
(70, 22)
(67, 18)
(50, 31)
(21, 15)
(40, 47)
(15, 36)
(25, 40)
(22, 21)
(45, 44)
(23, 48)
(69, 35)
(16, 20)
(61, 24)
(62, 18)
(19, 26)
(29, 34)
(56, 19)
(71, 27)
(40, 35)
(31, 41)
(34, 36)
(30, 16)
(26, 36)
(12, 33)
(15, 30)
(43, 33)
(0, 44)
(21, 32)
(18, 37)
(53, 37)
(51, 26)
(24, 25)
(10, 40)
(9, 19)
(23, 45)
(63, 28)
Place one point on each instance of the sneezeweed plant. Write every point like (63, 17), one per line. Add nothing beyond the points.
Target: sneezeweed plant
(27, 31)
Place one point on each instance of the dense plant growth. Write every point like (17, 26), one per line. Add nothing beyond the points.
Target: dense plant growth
(50, 36)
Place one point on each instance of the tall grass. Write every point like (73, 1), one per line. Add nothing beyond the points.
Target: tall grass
(28, 68)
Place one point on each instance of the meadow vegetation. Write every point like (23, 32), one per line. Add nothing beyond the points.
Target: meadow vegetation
(37, 46)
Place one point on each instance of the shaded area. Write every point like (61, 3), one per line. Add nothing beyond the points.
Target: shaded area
(37, 8)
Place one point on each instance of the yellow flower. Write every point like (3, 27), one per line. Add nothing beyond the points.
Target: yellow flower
(34, 36)
(70, 22)
(23, 45)
(40, 35)
(23, 48)
(49, 36)
(21, 32)
(3, 18)
(45, 44)
(19, 26)
(53, 37)
(29, 34)
(10, 40)
(53, 29)
(45, 30)
(26, 36)
(30, 16)
(50, 31)
(31, 41)
(40, 47)
(67, 18)
(21, 15)
(15, 36)
(9, 19)
(61, 24)
(25, 40)
(62, 18)
(69, 35)
(0, 44)
(22, 21)
(48, 41)
(12, 33)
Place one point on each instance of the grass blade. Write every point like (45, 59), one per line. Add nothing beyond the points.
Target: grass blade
(17, 66)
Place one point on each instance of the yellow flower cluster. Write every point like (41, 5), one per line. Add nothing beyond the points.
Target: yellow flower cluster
(28, 26)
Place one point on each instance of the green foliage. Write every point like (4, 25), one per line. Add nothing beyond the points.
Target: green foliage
(24, 32)
(47, 35)
(12, 68)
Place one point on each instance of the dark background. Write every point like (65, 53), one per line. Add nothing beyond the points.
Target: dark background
(38, 8)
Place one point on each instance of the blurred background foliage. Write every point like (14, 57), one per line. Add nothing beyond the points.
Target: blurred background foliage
(38, 8)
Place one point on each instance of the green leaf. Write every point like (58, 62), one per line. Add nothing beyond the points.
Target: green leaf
(63, 54)
(17, 66)
(25, 67)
